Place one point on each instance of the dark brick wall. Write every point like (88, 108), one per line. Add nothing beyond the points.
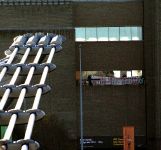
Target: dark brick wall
(108, 14)
(108, 108)
(149, 65)
(158, 72)
(153, 101)
(35, 17)
(110, 55)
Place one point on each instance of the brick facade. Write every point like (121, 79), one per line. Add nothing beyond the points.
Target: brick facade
(108, 108)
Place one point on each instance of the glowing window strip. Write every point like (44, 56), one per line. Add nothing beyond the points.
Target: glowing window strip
(133, 33)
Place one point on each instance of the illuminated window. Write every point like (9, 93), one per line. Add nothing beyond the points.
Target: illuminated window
(136, 33)
(80, 34)
(108, 34)
(91, 34)
(117, 74)
(102, 33)
(113, 33)
(125, 33)
(129, 74)
(136, 73)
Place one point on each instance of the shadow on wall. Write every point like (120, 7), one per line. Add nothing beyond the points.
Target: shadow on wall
(50, 133)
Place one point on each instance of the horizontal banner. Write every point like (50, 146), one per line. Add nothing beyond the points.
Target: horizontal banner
(96, 80)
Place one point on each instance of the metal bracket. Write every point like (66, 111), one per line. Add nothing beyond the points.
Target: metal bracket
(16, 145)
(22, 116)
(26, 67)
(31, 89)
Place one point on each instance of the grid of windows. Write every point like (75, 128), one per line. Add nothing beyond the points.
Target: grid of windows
(108, 34)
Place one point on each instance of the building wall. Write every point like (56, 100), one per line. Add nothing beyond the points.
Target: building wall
(108, 108)
(108, 14)
(110, 55)
(153, 101)
(149, 63)
(36, 17)
(134, 104)
(157, 72)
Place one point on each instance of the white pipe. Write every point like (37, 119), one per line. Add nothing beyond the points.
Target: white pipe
(3, 72)
(29, 127)
(10, 127)
(4, 98)
(37, 98)
(36, 60)
(13, 80)
(20, 99)
(44, 75)
(51, 55)
(24, 147)
(25, 55)
(15, 76)
(12, 56)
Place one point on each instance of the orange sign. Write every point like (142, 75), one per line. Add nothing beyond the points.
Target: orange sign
(128, 136)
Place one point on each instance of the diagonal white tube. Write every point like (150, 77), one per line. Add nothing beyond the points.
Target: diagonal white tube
(13, 80)
(31, 121)
(20, 100)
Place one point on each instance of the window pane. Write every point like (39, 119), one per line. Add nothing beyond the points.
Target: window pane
(129, 73)
(116, 74)
(136, 33)
(80, 34)
(91, 34)
(102, 33)
(113, 33)
(125, 34)
(136, 73)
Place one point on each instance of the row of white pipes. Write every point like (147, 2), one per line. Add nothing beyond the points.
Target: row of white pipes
(21, 40)
(36, 40)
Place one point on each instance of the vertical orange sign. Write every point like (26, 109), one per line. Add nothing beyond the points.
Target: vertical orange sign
(128, 136)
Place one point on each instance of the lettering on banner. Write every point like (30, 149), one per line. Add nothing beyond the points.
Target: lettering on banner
(117, 141)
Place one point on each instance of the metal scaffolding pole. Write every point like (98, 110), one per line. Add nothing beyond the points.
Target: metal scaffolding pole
(81, 97)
